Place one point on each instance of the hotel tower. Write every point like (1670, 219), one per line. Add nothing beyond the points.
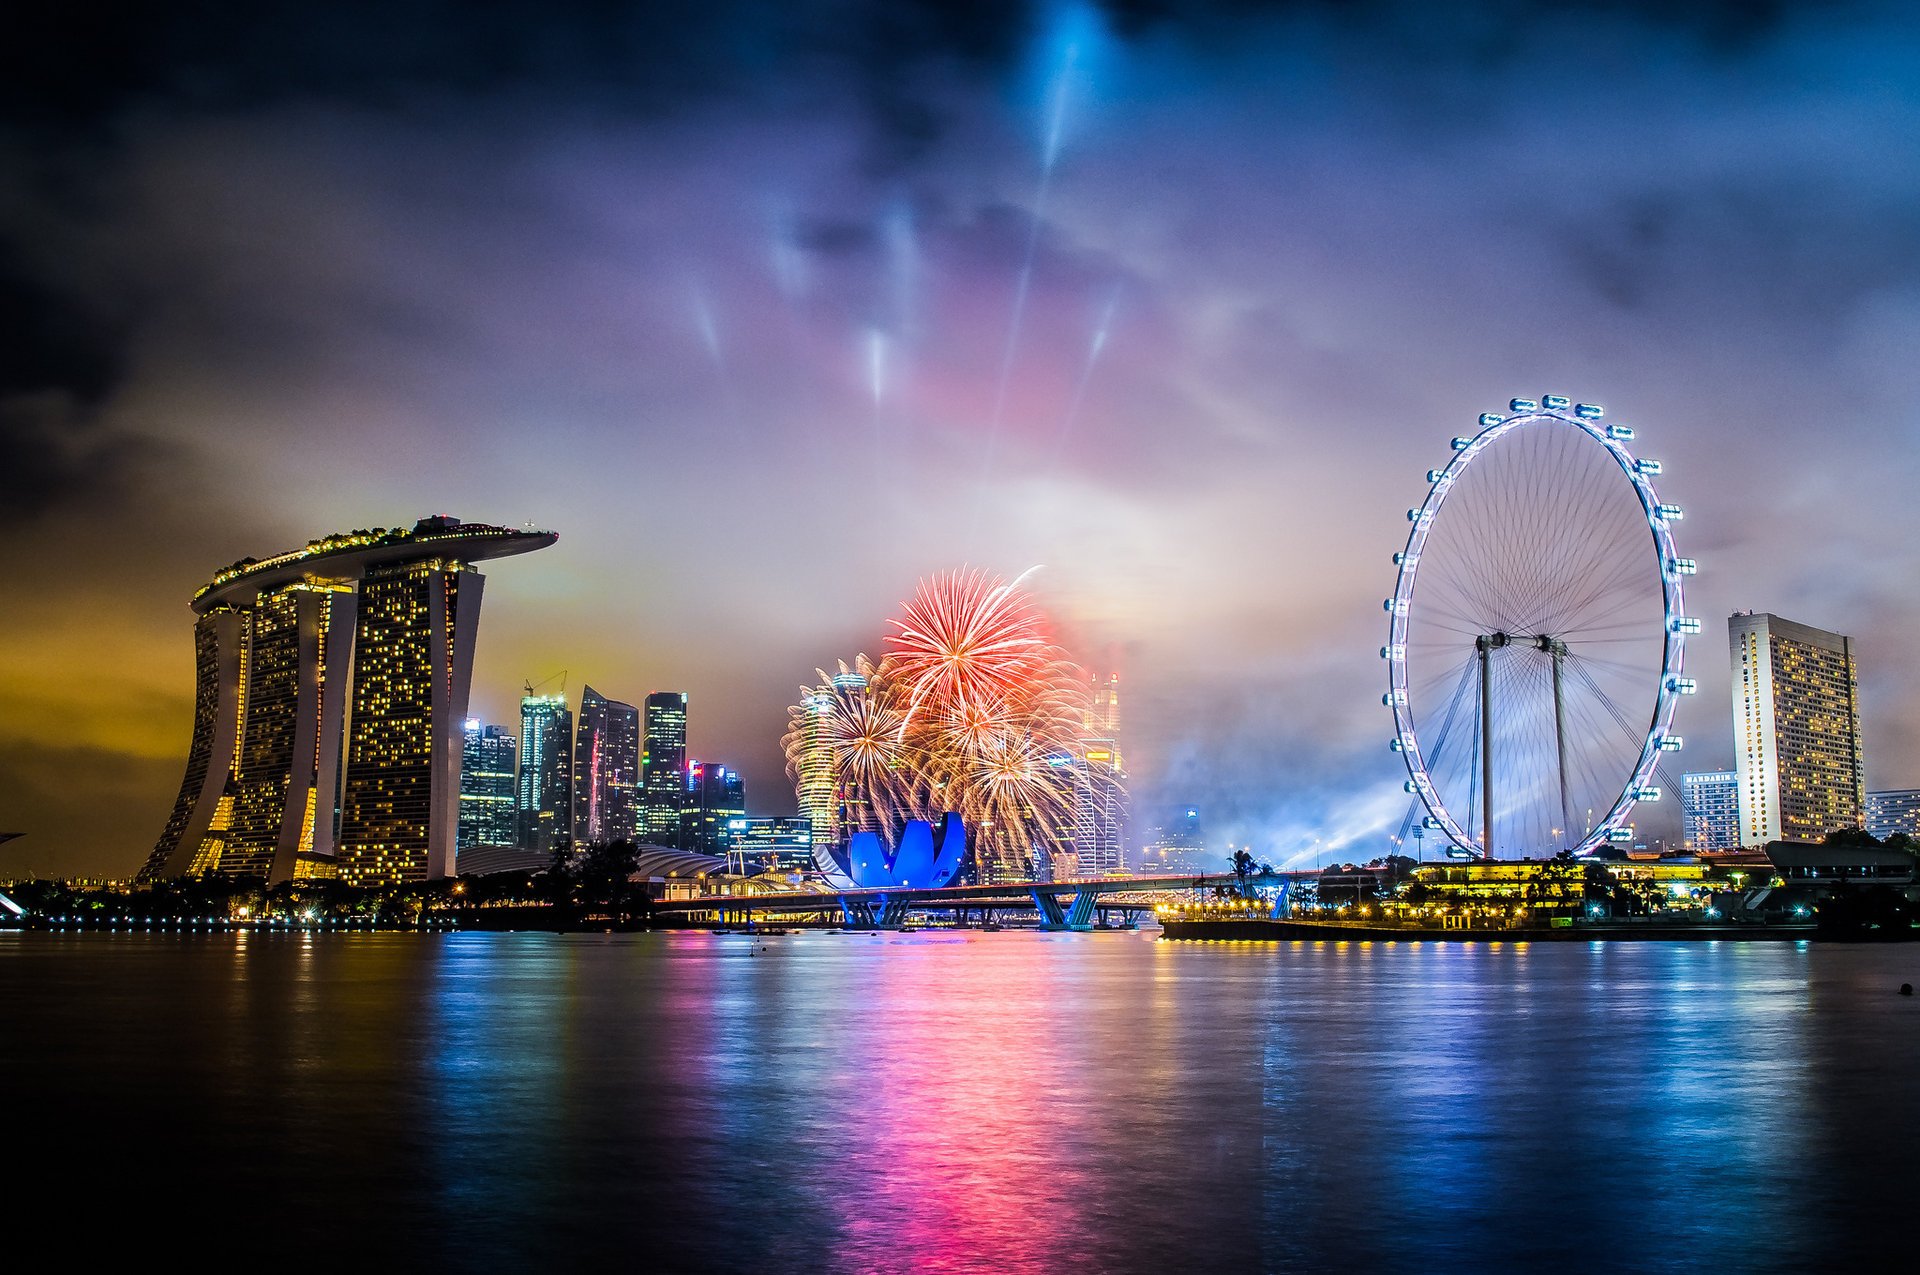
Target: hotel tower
(330, 699)
(1796, 730)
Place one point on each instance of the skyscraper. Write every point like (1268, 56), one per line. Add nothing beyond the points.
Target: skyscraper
(1100, 791)
(1796, 728)
(331, 682)
(715, 797)
(1175, 846)
(814, 780)
(1894, 810)
(489, 837)
(1710, 809)
(663, 768)
(545, 798)
(606, 771)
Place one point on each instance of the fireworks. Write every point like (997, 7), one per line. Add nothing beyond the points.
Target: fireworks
(973, 709)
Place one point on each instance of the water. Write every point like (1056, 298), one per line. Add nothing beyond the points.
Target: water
(1004, 1102)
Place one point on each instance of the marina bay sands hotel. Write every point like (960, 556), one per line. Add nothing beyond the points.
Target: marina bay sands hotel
(331, 692)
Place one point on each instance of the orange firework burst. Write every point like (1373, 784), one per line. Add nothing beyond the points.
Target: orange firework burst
(972, 710)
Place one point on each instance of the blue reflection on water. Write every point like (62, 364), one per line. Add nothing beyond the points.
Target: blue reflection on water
(972, 1102)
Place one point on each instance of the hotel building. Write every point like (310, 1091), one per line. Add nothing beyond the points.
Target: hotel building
(1796, 730)
(1710, 809)
(330, 690)
(1893, 810)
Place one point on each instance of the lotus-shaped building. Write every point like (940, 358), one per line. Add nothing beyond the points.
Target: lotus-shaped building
(921, 858)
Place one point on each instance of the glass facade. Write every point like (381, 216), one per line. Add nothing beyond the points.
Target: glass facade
(488, 839)
(769, 844)
(545, 799)
(1710, 809)
(606, 771)
(715, 796)
(663, 768)
(1894, 810)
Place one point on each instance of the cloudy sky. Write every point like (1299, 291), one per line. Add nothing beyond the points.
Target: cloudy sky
(771, 309)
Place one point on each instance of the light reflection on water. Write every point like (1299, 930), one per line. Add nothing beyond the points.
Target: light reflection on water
(968, 1102)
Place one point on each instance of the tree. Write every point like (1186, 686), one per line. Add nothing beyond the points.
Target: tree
(605, 874)
(1243, 869)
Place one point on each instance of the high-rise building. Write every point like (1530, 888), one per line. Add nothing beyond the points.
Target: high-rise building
(606, 771)
(1796, 729)
(331, 682)
(489, 836)
(545, 800)
(663, 767)
(715, 797)
(411, 675)
(814, 782)
(1100, 791)
(769, 844)
(1175, 846)
(1710, 809)
(1894, 810)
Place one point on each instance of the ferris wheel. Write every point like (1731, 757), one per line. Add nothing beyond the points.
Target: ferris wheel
(1536, 635)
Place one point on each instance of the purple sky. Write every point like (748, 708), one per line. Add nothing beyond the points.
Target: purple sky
(771, 312)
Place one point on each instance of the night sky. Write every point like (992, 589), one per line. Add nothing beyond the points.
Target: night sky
(770, 310)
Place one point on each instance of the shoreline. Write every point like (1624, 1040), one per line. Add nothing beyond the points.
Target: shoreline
(1255, 929)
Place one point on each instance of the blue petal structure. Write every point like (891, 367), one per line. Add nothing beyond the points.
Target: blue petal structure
(921, 859)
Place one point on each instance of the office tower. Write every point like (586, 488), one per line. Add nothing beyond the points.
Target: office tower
(545, 799)
(1100, 792)
(1894, 810)
(606, 771)
(769, 844)
(489, 836)
(663, 768)
(330, 687)
(1796, 729)
(715, 795)
(1710, 809)
(1175, 846)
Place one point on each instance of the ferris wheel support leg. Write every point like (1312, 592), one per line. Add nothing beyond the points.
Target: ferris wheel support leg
(1486, 746)
(1560, 747)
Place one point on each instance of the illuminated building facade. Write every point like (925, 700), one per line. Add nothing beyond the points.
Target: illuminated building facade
(606, 771)
(489, 834)
(716, 795)
(814, 782)
(1893, 810)
(545, 797)
(1796, 727)
(1174, 847)
(663, 767)
(331, 684)
(1100, 793)
(771, 844)
(1710, 809)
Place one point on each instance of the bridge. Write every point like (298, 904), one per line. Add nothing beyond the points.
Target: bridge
(1060, 905)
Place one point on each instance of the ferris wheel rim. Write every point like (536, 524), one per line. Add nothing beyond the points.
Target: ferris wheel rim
(1586, 419)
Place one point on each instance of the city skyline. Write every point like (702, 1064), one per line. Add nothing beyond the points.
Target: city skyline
(1181, 306)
